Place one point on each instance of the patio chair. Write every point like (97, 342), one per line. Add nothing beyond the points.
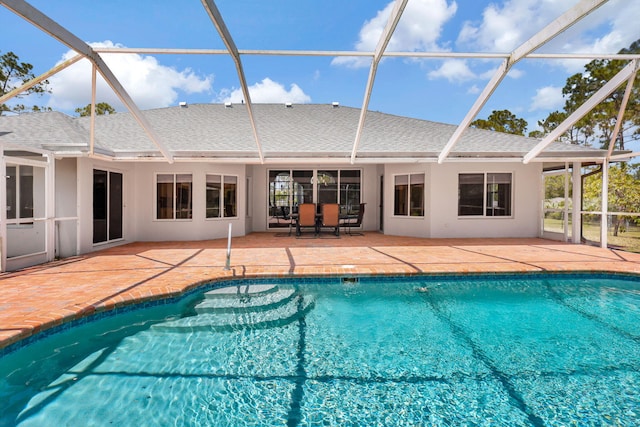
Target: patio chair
(306, 218)
(354, 221)
(330, 217)
(287, 219)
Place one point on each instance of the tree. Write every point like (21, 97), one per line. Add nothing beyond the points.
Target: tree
(102, 108)
(14, 74)
(502, 121)
(597, 126)
(623, 193)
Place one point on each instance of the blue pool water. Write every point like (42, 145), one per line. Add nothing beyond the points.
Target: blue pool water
(538, 350)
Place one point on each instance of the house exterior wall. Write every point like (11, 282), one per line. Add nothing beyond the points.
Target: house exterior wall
(66, 206)
(441, 218)
(440, 199)
(526, 206)
(147, 228)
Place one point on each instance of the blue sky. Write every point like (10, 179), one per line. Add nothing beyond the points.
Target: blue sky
(432, 89)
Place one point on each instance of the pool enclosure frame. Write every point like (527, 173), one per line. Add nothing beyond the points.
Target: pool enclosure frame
(52, 218)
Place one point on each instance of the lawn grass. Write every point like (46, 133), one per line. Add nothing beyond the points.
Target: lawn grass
(629, 240)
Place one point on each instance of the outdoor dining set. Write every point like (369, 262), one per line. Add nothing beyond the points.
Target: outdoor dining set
(311, 216)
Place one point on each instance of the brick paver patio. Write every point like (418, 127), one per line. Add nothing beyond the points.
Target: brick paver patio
(41, 297)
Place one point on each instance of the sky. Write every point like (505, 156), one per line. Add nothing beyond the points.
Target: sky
(440, 90)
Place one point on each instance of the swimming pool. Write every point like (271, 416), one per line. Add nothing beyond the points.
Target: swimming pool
(447, 351)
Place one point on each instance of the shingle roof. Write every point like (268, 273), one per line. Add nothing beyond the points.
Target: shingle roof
(298, 131)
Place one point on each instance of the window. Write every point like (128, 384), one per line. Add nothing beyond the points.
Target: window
(484, 194)
(327, 186)
(408, 194)
(20, 193)
(339, 186)
(350, 190)
(173, 196)
(222, 196)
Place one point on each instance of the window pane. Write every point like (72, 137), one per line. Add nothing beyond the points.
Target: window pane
(230, 196)
(214, 188)
(164, 192)
(302, 187)
(115, 205)
(99, 206)
(401, 195)
(183, 196)
(26, 191)
(350, 190)
(327, 186)
(12, 184)
(279, 200)
(470, 193)
(416, 194)
(498, 194)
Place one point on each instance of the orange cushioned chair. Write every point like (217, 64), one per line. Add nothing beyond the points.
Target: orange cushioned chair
(331, 217)
(306, 217)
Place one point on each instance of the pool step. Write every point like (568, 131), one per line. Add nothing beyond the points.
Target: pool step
(241, 290)
(244, 303)
(282, 315)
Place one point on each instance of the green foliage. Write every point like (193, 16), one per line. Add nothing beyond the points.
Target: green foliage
(596, 127)
(502, 121)
(623, 195)
(14, 74)
(554, 186)
(102, 108)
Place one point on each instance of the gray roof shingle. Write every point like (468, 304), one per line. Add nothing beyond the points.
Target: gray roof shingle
(299, 131)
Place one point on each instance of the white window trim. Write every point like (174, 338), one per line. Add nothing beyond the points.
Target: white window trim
(19, 222)
(222, 176)
(484, 196)
(424, 195)
(124, 203)
(155, 197)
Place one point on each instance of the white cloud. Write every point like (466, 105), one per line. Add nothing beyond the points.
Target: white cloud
(418, 30)
(268, 91)
(547, 98)
(505, 27)
(458, 71)
(616, 27)
(454, 70)
(473, 90)
(150, 84)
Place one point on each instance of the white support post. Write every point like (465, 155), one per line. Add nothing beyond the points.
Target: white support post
(78, 207)
(605, 204)
(3, 211)
(565, 215)
(50, 208)
(576, 230)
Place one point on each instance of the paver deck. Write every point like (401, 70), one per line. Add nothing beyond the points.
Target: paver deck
(38, 298)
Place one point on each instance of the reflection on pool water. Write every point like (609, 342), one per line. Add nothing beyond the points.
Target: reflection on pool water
(537, 350)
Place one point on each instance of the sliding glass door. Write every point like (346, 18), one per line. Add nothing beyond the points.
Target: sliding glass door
(289, 188)
(107, 206)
